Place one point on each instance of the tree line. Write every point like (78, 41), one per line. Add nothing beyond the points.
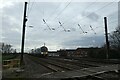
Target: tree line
(114, 41)
(7, 48)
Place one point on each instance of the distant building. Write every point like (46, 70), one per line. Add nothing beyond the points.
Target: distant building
(84, 52)
(70, 52)
(62, 52)
(53, 53)
(66, 52)
(79, 52)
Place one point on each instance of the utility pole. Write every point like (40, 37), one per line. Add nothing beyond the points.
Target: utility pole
(106, 36)
(23, 34)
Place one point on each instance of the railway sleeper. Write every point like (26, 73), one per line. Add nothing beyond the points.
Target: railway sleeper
(56, 64)
(68, 65)
(76, 63)
(62, 66)
(50, 67)
(43, 64)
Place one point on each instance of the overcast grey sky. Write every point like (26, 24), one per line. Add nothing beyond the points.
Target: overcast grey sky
(69, 13)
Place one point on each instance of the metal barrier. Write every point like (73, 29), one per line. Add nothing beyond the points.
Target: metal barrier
(11, 63)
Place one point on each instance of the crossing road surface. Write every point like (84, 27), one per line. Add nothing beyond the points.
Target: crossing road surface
(83, 72)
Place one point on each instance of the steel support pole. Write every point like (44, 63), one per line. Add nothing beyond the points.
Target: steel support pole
(23, 34)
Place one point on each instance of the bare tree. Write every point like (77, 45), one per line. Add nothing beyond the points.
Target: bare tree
(115, 38)
(6, 48)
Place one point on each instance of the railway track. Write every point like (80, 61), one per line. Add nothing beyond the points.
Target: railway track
(88, 74)
(74, 62)
(61, 69)
(103, 61)
(67, 65)
(82, 62)
(52, 66)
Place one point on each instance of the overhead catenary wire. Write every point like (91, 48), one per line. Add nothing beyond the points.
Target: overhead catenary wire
(101, 26)
(46, 24)
(62, 26)
(84, 10)
(30, 8)
(88, 30)
(63, 10)
(92, 29)
(113, 21)
(66, 30)
(95, 11)
(81, 28)
(98, 9)
(53, 12)
(90, 5)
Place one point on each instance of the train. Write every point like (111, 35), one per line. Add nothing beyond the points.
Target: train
(40, 52)
(44, 51)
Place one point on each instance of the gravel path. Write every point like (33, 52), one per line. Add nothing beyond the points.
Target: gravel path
(32, 69)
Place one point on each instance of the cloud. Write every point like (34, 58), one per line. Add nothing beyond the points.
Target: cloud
(4, 4)
(12, 18)
(85, 42)
(91, 15)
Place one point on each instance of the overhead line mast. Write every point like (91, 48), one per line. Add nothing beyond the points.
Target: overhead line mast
(106, 36)
(23, 34)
